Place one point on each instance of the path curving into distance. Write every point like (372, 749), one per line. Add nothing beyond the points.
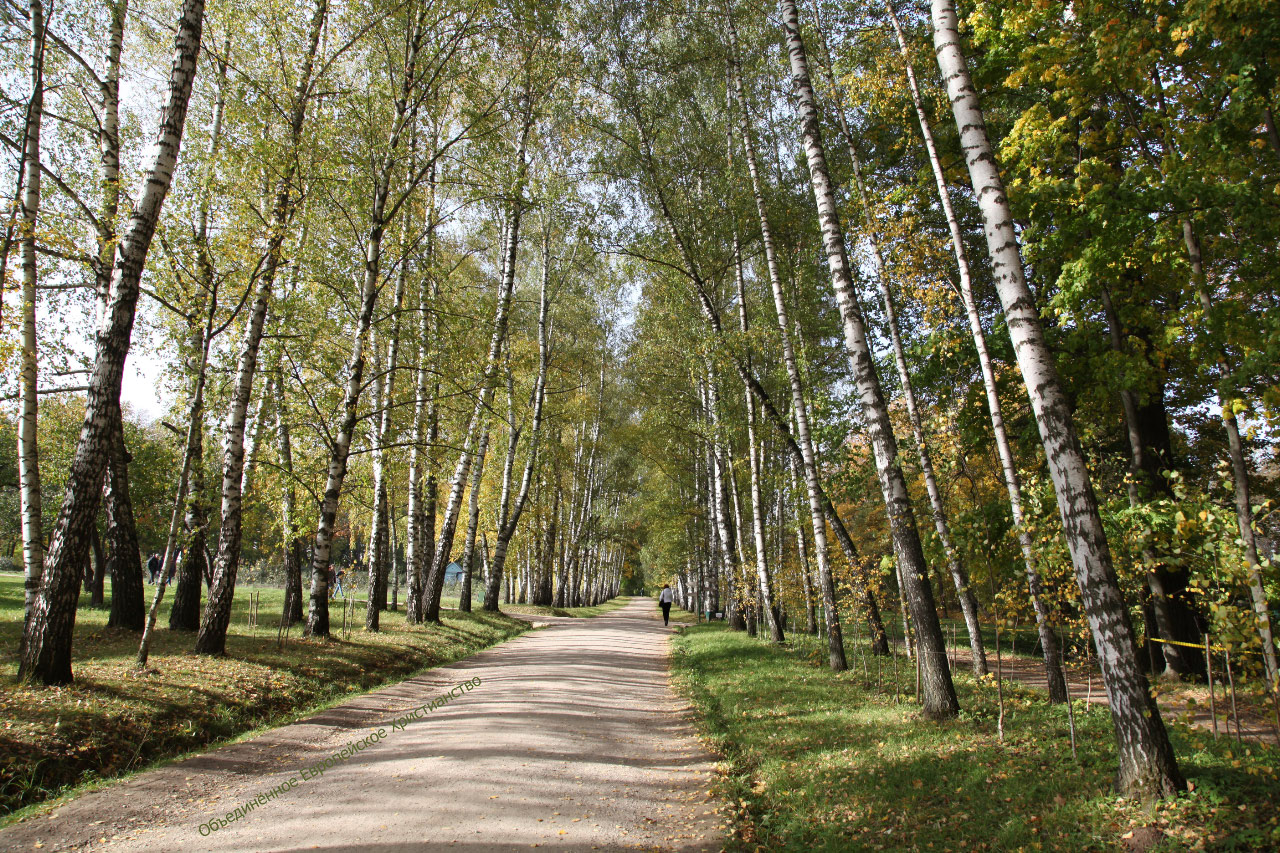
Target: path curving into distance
(572, 741)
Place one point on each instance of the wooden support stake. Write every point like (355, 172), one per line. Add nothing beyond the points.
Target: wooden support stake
(895, 672)
(1088, 662)
(1232, 683)
(1213, 702)
(1071, 713)
(999, 684)
(917, 676)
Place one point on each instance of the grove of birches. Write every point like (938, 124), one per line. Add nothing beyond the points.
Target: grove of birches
(835, 315)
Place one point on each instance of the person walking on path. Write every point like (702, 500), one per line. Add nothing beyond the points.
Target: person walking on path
(153, 567)
(665, 598)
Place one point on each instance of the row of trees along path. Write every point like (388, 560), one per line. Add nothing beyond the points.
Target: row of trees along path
(628, 286)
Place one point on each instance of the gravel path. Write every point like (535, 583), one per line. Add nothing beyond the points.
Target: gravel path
(571, 740)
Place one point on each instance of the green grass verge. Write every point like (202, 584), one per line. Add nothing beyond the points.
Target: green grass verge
(680, 616)
(816, 760)
(580, 612)
(113, 721)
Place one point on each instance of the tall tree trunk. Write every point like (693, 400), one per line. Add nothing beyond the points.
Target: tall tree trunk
(1008, 466)
(583, 525)
(1147, 763)
(122, 536)
(712, 571)
(290, 539)
(1239, 470)
(1174, 619)
(211, 639)
(720, 498)
(955, 564)
(418, 526)
(393, 555)
(561, 574)
(47, 653)
(444, 546)
(802, 554)
(572, 527)
(379, 522)
(195, 428)
(765, 583)
(473, 524)
(124, 558)
(509, 516)
(745, 597)
(217, 615)
(28, 398)
(803, 444)
(541, 590)
(184, 615)
(340, 449)
(939, 698)
(380, 533)
(379, 216)
(185, 612)
(430, 507)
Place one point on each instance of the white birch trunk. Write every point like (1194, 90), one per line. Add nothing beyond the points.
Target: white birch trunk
(435, 581)
(420, 452)
(799, 406)
(190, 458)
(764, 582)
(47, 652)
(380, 533)
(941, 523)
(1147, 763)
(802, 554)
(217, 615)
(184, 615)
(473, 523)
(289, 534)
(1008, 466)
(28, 393)
(939, 698)
(339, 452)
(509, 520)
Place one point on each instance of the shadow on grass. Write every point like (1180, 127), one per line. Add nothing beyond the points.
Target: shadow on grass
(825, 761)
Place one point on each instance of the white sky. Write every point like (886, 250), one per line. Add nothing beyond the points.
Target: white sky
(140, 389)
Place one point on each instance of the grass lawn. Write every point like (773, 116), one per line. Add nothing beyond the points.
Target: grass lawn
(680, 616)
(541, 610)
(816, 760)
(112, 720)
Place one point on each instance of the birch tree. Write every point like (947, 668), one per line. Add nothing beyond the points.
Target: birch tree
(938, 692)
(508, 513)
(1008, 466)
(47, 652)
(29, 406)
(506, 285)
(418, 90)
(213, 625)
(1147, 763)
